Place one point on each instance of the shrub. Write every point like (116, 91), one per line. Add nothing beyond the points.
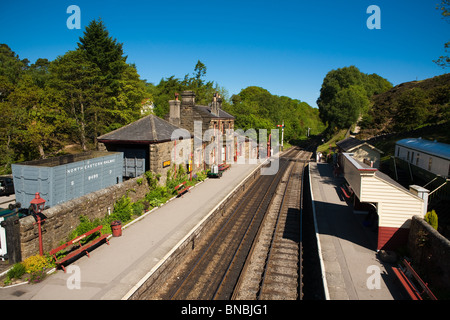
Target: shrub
(123, 210)
(200, 176)
(16, 272)
(157, 196)
(138, 208)
(152, 179)
(85, 226)
(432, 218)
(35, 264)
(37, 276)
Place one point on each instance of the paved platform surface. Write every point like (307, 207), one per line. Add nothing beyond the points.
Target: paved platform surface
(112, 270)
(347, 249)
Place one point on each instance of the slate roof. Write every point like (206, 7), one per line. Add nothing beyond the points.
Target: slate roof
(147, 130)
(207, 112)
(349, 144)
(434, 148)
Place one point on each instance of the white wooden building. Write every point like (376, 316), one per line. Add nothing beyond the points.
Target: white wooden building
(395, 204)
(429, 155)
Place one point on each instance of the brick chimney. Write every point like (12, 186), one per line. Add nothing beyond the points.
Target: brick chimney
(188, 98)
(216, 104)
(174, 115)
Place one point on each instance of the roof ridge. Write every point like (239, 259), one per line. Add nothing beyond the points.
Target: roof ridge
(124, 127)
(152, 122)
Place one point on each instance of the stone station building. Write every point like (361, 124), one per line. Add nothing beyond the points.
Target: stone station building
(208, 124)
(193, 135)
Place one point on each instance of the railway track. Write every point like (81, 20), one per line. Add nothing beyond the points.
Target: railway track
(273, 270)
(216, 264)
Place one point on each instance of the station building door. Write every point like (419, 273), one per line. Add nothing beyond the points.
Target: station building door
(134, 161)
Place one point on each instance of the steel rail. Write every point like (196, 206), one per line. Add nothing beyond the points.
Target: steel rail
(253, 240)
(246, 268)
(275, 230)
(232, 261)
(252, 192)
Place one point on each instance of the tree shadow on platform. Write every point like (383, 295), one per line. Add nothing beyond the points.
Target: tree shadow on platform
(339, 221)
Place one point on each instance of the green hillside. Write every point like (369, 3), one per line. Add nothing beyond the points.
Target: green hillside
(409, 106)
(256, 108)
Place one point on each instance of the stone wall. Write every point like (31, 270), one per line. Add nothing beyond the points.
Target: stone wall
(63, 218)
(166, 267)
(162, 153)
(430, 253)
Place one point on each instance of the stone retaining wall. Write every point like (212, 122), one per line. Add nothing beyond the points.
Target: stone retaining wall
(430, 253)
(158, 276)
(63, 218)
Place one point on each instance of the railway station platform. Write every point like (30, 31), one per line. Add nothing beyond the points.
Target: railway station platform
(113, 270)
(351, 269)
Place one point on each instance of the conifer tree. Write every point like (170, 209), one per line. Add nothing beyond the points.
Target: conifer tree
(105, 52)
(121, 90)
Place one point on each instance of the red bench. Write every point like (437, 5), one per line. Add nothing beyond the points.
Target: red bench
(81, 248)
(182, 188)
(347, 191)
(407, 283)
(223, 167)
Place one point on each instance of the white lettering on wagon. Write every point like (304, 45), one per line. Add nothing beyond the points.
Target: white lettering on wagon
(74, 170)
(90, 166)
(94, 176)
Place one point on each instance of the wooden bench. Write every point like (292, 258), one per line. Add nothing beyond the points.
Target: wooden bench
(347, 191)
(182, 188)
(223, 166)
(407, 283)
(81, 248)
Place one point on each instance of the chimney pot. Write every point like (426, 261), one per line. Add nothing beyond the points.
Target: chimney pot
(174, 115)
(188, 98)
(216, 104)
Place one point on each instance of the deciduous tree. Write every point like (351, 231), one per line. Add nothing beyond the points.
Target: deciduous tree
(345, 95)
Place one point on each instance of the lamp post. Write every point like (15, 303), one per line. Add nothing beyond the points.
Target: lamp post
(282, 133)
(37, 205)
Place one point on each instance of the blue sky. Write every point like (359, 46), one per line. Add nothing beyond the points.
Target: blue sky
(286, 47)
